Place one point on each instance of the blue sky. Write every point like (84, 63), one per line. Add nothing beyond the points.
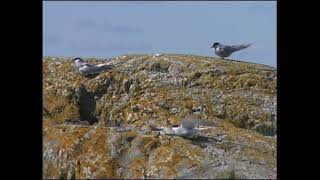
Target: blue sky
(107, 29)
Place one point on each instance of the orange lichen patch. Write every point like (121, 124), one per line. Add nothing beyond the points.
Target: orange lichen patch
(69, 112)
(174, 120)
(165, 163)
(148, 143)
(251, 138)
(170, 158)
(45, 123)
(52, 133)
(55, 103)
(137, 167)
(131, 117)
(70, 137)
(51, 169)
(97, 142)
(95, 156)
(188, 102)
(138, 123)
(66, 67)
(209, 81)
(130, 134)
(161, 92)
(182, 146)
(60, 108)
(98, 168)
(45, 68)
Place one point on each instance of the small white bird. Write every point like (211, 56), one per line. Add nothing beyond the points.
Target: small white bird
(85, 68)
(188, 127)
(157, 55)
(226, 50)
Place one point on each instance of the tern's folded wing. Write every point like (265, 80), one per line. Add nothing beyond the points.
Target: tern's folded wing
(189, 123)
(239, 47)
(88, 65)
(192, 123)
(205, 123)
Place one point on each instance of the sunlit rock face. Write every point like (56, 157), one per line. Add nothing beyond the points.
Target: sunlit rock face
(98, 126)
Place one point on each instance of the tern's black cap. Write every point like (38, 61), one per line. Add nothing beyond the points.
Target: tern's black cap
(77, 58)
(215, 44)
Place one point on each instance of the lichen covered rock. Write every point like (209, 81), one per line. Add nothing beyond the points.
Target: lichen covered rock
(98, 126)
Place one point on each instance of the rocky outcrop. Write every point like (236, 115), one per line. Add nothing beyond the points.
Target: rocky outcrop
(99, 126)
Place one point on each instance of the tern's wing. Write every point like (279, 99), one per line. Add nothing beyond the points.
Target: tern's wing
(82, 64)
(188, 123)
(192, 123)
(239, 47)
(205, 123)
(87, 64)
(105, 66)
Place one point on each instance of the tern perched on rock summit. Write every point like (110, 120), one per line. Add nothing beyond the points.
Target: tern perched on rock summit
(188, 127)
(226, 50)
(85, 68)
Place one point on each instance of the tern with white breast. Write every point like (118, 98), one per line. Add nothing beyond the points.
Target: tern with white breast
(188, 128)
(85, 68)
(226, 50)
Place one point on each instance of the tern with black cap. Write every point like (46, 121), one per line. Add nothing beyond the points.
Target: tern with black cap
(226, 50)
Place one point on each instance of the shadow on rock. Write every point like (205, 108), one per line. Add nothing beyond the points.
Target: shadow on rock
(203, 140)
(91, 76)
(87, 105)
